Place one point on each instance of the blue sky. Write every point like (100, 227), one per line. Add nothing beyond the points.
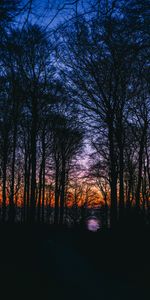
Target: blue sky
(49, 13)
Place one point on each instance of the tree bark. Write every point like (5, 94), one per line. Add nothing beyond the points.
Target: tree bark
(141, 152)
(33, 160)
(25, 187)
(11, 202)
(113, 177)
(62, 195)
(121, 179)
(56, 213)
(39, 196)
(43, 178)
(4, 186)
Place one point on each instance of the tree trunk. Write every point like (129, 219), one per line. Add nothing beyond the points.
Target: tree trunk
(28, 188)
(141, 152)
(148, 166)
(56, 213)
(25, 189)
(121, 181)
(144, 191)
(33, 161)
(39, 198)
(4, 186)
(43, 195)
(113, 177)
(128, 201)
(43, 177)
(62, 195)
(120, 142)
(11, 203)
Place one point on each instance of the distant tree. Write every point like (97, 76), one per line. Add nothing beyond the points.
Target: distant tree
(101, 58)
(67, 140)
(5, 134)
(27, 65)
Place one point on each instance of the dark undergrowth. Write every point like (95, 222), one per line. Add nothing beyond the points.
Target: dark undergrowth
(59, 263)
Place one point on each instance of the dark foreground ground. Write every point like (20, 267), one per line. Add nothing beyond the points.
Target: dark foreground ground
(42, 262)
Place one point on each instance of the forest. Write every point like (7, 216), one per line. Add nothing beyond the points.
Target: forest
(74, 149)
(74, 111)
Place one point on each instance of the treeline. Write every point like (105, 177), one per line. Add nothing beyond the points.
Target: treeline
(86, 80)
(105, 58)
(40, 134)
